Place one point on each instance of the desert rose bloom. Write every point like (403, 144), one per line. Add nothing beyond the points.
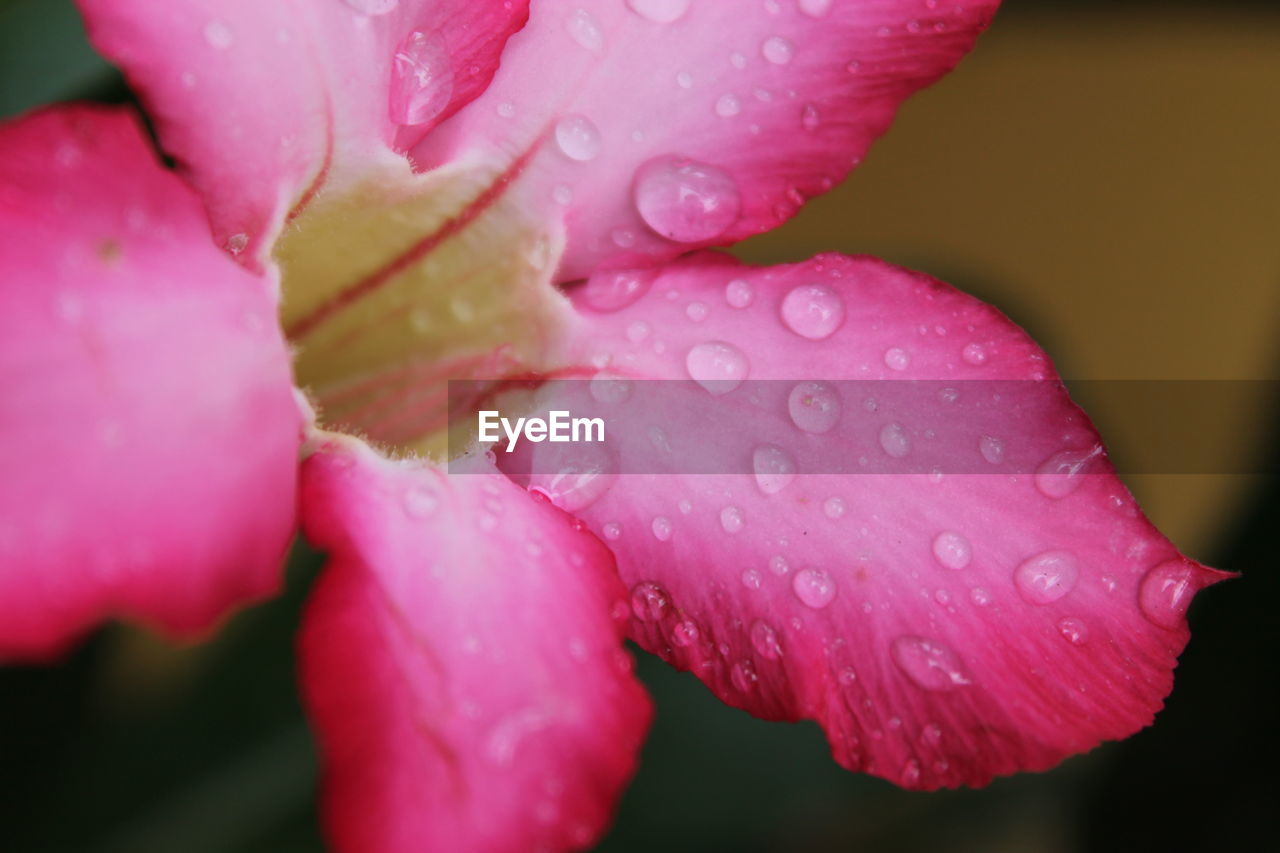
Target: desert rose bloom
(479, 189)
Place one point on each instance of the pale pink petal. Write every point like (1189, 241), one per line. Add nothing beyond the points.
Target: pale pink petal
(265, 102)
(462, 662)
(148, 430)
(664, 125)
(1010, 609)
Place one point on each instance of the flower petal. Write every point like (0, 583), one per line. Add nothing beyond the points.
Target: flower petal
(148, 430)
(943, 628)
(264, 102)
(462, 662)
(666, 125)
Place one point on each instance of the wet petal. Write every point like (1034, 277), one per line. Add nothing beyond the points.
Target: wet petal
(666, 125)
(148, 432)
(779, 516)
(462, 662)
(264, 103)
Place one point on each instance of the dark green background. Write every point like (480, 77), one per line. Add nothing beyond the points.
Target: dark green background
(216, 757)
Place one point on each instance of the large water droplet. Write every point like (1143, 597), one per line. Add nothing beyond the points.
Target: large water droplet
(731, 519)
(373, 7)
(765, 640)
(814, 407)
(1073, 630)
(649, 601)
(774, 468)
(1060, 474)
(660, 11)
(952, 550)
(613, 290)
(813, 311)
(895, 441)
(684, 200)
(1166, 592)
(814, 587)
(584, 30)
(777, 50)
(1047, 577)
(931, 664)
(421, 79)
(572, 475)
(717, 366)
(578, 138)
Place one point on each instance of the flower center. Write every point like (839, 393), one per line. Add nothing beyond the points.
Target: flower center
(397, 283)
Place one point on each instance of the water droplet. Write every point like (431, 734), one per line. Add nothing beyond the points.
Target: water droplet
(774, 468)
(814, 587)
(218, 35)
(638, 331)
(737, 60)
(952, 549)
(778, 565)
(751, 579)
(813, 311)
(684, 200)
(1047, 577)
(506, 109)
(931, 664)
(777, 50)
(659, 11)
(613, 290)
(1059, 475)
(696, 311)
(814, 407)
(684, 633)
(809, 118)
(897, 358)
(931, 734)
(584, 30)
(661, 528)
(372, 7)
(731, 519)
(743, 675)
(833, 507)
(911, 773)
(606, 388)
(728, 106)
(649, 601)
(980, 596)
(846, 676)
(765, 640)
(974, 354)
(948, 395)
(815, 8)
(717, 366)
(421, 79)
(236, 243)
(739, 293)
(573, 476)
(420, 502)
(1166, 592)
(895, 441)
(992, 449)
(1074, 631)
(578, 138)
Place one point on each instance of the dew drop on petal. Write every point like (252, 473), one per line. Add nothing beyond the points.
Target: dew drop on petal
(218, 35)
(373, 7)
(931, 664)
(813, 311)
(833, 508)
(739, 293)
(975, 354)
(578, 138)
(1166, 592)
(991, 448)
(778, 565)
(419, 502)
(684, 200)
(952, 550)
(584, 30)
(814, 587)
(612, 290)
(1047, 577)
(809, 118)
(717, 366)
(751, 579)
(728, 106)
(684, 633)
(777, 50)
(895, 441)
(765, 640)
(1060, 474)
(814, 407)
(773, 467)
(649, 601)
(897, 358)
(910, 773)
(661, 528)
(1073, 630)
(743, 675)
(815, 8)
(731, 519)
(659, 11)
(421, 79)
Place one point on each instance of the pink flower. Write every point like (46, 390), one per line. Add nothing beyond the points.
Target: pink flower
(405, 184)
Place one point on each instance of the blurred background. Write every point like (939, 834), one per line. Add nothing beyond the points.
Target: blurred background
(1105, 173)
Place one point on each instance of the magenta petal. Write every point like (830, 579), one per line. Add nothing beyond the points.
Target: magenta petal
(266, 102)
(942, 628)
(148, 430)
(664, 126)
(462, 662)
